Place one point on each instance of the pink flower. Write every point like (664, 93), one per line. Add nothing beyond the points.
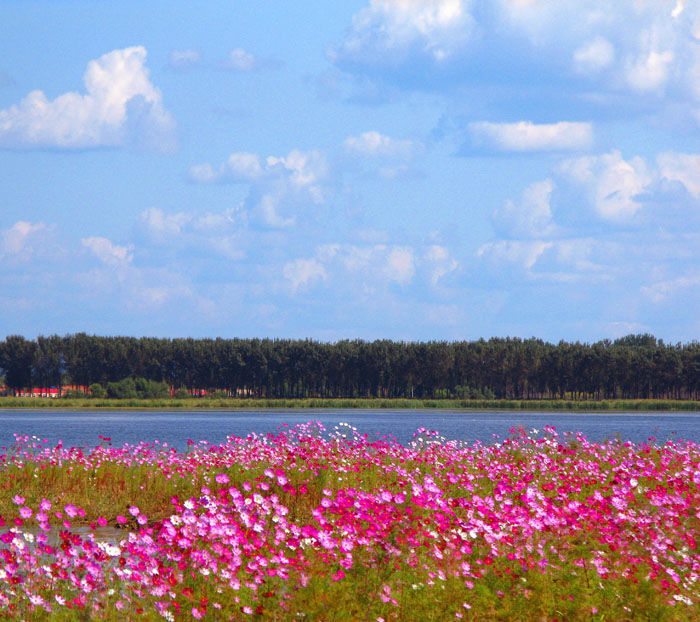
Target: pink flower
(25, 512)
(45, 505)
(71, 510)
(18, 500)
(222, 478)
(101, 521)
(134, 510)
(196, 613)
(121, 519)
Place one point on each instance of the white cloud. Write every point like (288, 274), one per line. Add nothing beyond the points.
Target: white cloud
(682, 167)
(394, 27)
(303, 272)
(521, 253)
(373, 267)
(120, 105)
(374, 144)
(526, 136)
(204, 232)
(440, 262)
(240, 60)
(108, 253)
(662, 291)
(532, 217)
(649, 71)
(163, 226)
(594, 56)
(21, 238)
(577, 48)
(277, 185)
(239, 166)
(400, 265)
(304, 169)
(184, 59)
(611, 183)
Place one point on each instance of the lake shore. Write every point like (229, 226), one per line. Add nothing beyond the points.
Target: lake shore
(347, 403)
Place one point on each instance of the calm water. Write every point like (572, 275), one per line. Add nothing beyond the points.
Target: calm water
(82, 429)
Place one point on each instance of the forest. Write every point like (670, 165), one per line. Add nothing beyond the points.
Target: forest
(632, 367)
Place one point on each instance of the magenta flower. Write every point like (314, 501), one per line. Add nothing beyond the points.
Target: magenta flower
(71, 510)
(222, 478)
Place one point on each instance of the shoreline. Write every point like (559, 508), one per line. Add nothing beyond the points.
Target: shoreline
(216, 404)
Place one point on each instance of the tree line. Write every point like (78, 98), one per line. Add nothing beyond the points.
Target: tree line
(633, 367)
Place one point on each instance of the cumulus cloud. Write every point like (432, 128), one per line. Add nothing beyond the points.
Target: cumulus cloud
(107, 252)
(519, 252)
(618, 220)
(531, 217)
(573, 50)
(120, 105)
(303, 272)
(594, 56)
(611, 182)
(374, 144)
(526, 136)
(220, 233)
(28, 245)
(240, 60)
(440, 263)
(650, 70)
(20, 238)
(370, 268)
(395, 28)
(400, 265)
(681, 167)
(277, 184)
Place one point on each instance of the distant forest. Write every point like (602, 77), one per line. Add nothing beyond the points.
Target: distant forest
(633, 367)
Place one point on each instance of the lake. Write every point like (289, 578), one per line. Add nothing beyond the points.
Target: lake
(83, 428)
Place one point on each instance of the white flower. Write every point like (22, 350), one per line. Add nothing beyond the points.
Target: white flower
(682, 599)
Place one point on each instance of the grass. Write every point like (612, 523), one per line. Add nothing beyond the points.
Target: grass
(347, 403)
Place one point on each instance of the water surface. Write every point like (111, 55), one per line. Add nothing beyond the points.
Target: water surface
(83, 428)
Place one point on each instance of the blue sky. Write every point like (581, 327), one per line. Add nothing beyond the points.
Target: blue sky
(404, 169)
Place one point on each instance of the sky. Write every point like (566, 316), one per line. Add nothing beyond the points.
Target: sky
(401, 169)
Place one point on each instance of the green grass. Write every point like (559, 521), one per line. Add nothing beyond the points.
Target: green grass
(347, 403)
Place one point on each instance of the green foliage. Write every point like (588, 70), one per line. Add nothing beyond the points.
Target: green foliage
(97, 390)
(124, 389)
(73, 394)
(128, 388)
(149, 389)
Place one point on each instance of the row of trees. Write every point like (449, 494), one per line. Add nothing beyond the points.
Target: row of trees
(636, 366)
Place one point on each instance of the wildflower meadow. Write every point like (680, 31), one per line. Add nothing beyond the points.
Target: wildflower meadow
(307, 524)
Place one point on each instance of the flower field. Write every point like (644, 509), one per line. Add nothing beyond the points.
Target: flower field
(310, 525)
